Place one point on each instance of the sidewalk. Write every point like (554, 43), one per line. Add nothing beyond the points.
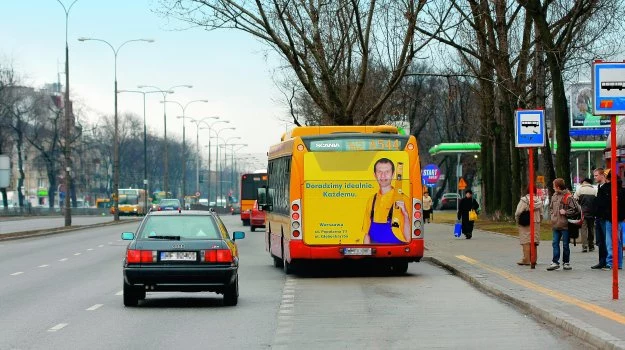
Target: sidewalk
(579, 300)
(29, 226)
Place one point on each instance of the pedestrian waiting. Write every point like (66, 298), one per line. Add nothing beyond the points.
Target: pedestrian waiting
(561, 207)
(621, 225)
(522, 218)
(585, 195)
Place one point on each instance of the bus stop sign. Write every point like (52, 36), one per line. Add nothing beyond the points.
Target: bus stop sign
(608, 88)
(529, 127)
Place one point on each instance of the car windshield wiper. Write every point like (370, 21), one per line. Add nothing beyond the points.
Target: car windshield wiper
(171, 238)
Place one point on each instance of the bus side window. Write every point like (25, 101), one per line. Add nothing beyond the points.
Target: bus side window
(264, 201)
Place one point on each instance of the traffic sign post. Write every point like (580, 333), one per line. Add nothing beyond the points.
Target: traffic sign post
(529, 127)
(608, 90)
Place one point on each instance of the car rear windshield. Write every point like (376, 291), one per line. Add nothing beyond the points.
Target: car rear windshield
(183, 226)
(165, 202)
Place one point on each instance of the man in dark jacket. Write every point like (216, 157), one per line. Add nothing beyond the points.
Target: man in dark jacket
(586, 195)
(602, 214)
(620, 216)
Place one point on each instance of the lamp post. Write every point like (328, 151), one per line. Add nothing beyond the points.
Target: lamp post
(218, 165)
(225, 147)
(67, 117)
(210, 129)
(232, 165)
(145, 146)
(164, 92)
(116, 137)
(184, 146)
(197, 147)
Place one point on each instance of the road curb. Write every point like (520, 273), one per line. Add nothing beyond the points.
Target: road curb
(580, 329)
(47, 232)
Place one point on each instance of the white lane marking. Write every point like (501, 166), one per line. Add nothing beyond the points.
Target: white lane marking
(17, 273)
(77, 253)
(44, 265)
(57, 327)
(121, 292)
(101, 245)
(95, 307)
(89, 249)
(64, 259)
(110, 242)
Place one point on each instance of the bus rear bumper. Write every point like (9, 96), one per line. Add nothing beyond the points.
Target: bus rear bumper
(408, 252)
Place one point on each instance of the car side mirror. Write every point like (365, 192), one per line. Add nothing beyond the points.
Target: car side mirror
(128, 236)
(238, 235)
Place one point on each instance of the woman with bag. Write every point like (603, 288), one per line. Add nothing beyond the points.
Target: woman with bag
(522, 218)
(467, 212)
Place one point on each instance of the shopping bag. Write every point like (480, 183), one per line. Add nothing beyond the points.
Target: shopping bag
(458, 229)
(472, 215)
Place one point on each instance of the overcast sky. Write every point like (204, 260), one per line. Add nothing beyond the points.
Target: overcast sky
(229, 69)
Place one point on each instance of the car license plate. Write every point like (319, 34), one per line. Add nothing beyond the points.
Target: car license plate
(178, 256)
(357, 251)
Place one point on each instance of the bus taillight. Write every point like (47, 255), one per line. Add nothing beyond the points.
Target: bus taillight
(296, 217)
(417, 214)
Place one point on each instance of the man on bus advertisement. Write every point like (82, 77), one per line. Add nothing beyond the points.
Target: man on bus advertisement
(339, 188)
(386, 217)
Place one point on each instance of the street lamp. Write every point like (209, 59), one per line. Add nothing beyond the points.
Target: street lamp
(184, 148)
(66, 110)
(218, 164)
(210, 129)
(116, 137)
(197, 147)
(232, 165)
(145, 145)
(165, 160)
(225, 161)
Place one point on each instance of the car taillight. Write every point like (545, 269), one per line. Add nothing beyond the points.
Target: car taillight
(159, 209)
(444, 200)
(218, 255)
(135, 256)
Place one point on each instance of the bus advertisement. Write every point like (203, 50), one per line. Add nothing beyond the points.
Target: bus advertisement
(131, 202)
(250, 183)
(344, 192)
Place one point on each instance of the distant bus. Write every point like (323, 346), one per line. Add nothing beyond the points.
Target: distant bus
(131, 202)
(323, 198)
(250, 183)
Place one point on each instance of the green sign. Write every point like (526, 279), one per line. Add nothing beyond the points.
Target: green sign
(42, 192)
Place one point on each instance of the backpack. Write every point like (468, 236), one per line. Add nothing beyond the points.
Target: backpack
(524, 218)
(575, 220)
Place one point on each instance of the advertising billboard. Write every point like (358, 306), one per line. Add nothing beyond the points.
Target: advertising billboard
(580, 103)
(357, 198)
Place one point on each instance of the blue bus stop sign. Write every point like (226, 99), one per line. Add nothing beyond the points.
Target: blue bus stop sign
(529, 128)
(608, 88)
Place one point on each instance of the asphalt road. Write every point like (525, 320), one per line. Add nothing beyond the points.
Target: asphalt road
(64, 291)
(18, 224)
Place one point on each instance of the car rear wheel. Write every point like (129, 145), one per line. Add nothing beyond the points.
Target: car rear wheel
(231, 293)
(131, 295)
(252, 228)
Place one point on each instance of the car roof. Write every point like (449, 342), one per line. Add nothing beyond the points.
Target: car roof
(182, 213)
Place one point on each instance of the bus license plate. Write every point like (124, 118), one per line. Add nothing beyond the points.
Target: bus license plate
(357, 251)
(178, 256)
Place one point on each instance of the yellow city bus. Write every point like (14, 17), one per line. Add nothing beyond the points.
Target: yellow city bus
(131, 202)
(344, 192)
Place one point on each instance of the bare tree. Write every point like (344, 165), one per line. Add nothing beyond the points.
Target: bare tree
(338, 50)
